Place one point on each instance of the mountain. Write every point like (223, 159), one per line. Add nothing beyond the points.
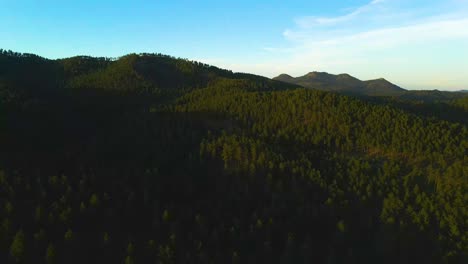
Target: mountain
(149, 158)
(343, 83)
(142, 74)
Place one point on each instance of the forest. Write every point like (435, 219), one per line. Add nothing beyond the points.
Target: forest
(149, 158)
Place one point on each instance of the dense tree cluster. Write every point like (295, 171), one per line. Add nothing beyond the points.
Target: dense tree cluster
(426, 183)
(461, 103)
(152, 159)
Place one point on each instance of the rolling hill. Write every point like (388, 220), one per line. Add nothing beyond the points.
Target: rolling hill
(142, 74)
(152, 159)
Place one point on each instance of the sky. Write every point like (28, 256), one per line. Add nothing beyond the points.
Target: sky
(417, 44)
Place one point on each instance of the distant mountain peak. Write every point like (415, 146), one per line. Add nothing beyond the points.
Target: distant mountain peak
(284, 75)
(316, 73)
(344, 83)
(345, 75)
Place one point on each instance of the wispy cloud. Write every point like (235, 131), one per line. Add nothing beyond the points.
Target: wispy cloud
(278, 50)
(379, 39)
(311, 21)
(392, 36)
(414, 46)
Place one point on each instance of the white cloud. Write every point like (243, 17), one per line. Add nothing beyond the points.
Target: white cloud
(412, 48)
(312, 21)
(388, 37)
(379, 40)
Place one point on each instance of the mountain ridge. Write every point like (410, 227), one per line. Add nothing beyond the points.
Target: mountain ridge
(143, 74)
(343, 83)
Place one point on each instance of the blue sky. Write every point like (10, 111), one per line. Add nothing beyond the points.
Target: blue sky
(414, 43)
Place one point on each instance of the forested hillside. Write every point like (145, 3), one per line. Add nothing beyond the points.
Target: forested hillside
(152, 159)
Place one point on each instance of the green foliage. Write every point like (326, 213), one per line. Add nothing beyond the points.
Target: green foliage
(166, 217)
(461, 103)
(8, 208)
(68, 235)
(106, 238)
(94, 200)
(17, 248)
(341, 226)
(194, 164)
(130, 249)
(129, 260)
(51, 254)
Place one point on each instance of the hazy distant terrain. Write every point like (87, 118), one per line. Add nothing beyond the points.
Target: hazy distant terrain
(149, 158)
(344, 83)
(347, 84)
